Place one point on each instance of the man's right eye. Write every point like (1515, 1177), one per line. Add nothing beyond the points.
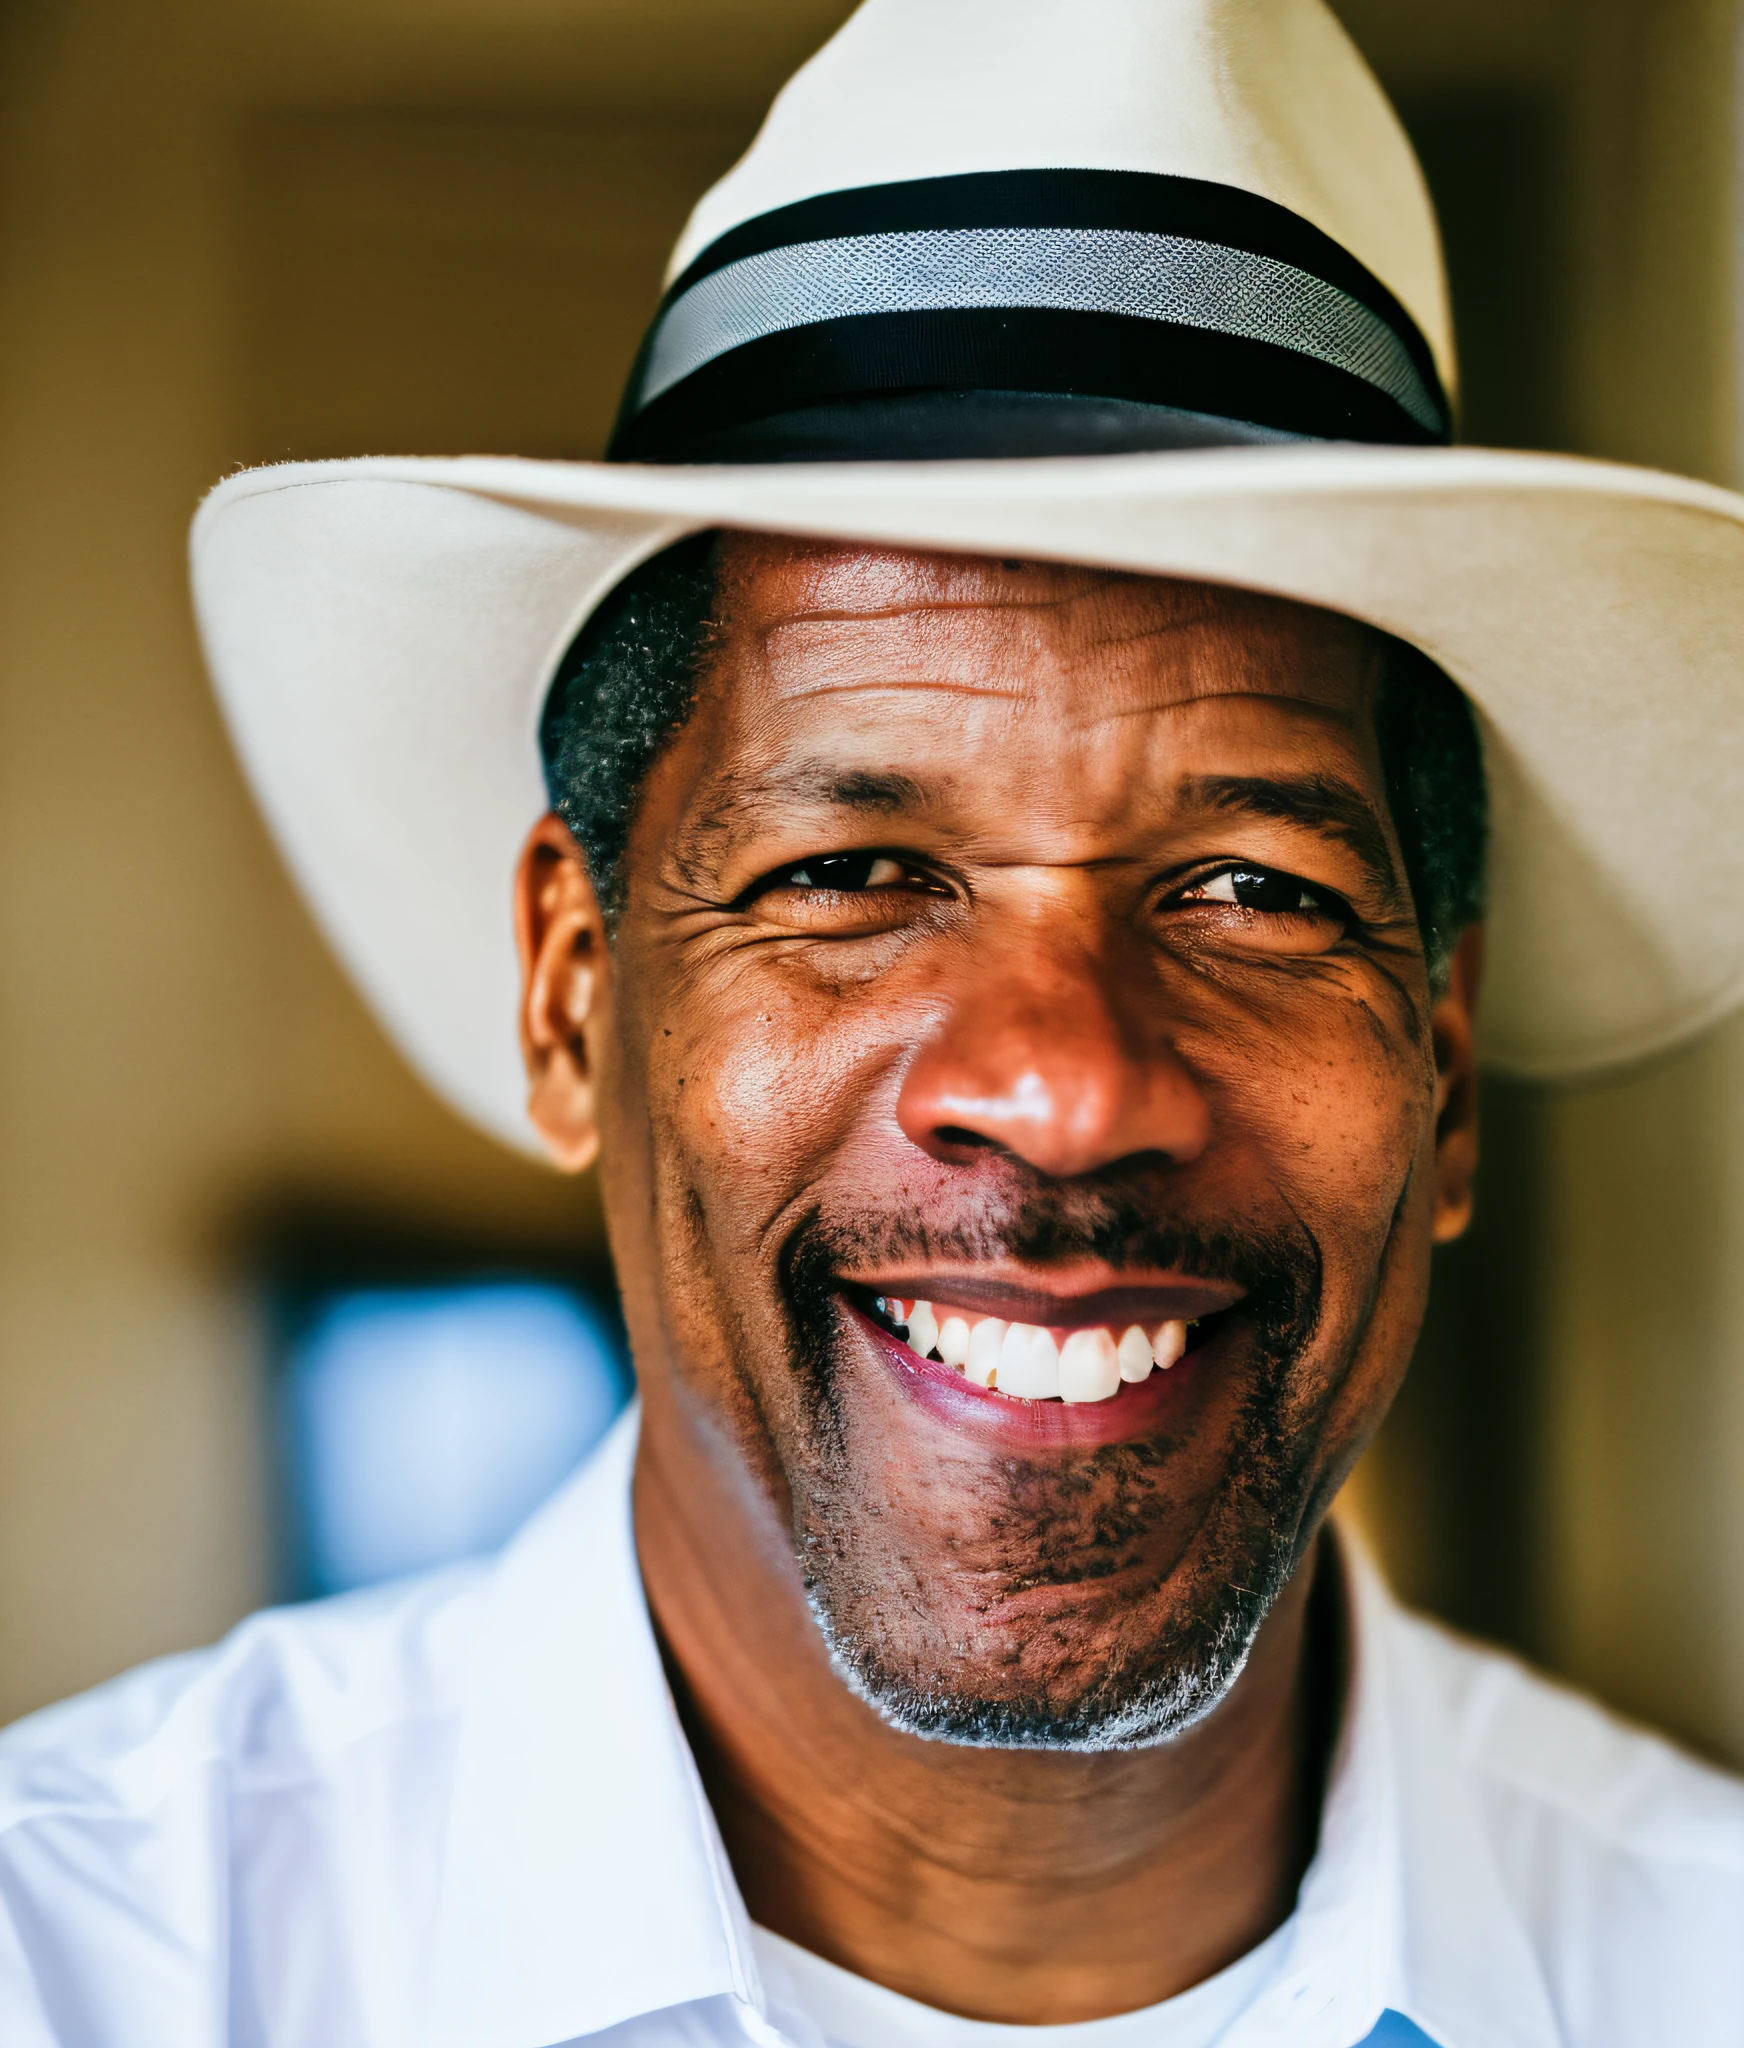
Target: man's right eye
(844, 893)
(846, 874)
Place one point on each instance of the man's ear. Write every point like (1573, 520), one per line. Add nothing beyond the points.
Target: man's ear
(561, 938)
(1452, 1026)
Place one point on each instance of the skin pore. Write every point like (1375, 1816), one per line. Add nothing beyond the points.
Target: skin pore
(1035, 940)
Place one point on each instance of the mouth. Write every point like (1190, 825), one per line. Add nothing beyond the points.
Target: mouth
(1019, 1347)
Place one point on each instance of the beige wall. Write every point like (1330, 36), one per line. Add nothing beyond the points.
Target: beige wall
(1613, 1238)
(1644, 1483)
(233, 234)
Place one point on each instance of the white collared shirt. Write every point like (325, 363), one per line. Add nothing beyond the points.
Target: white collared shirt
(461, 1813)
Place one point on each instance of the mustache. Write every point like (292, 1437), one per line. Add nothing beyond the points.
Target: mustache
(1128, 1219)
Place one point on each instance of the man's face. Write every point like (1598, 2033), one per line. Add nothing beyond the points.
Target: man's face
(1032, 943)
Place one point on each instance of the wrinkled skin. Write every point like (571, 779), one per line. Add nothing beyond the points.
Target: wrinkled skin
(1032, 1042)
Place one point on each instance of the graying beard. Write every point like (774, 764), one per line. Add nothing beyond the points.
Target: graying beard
(1184, 1678)
(1156, 1710)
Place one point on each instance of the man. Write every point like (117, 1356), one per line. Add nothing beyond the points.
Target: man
(1006, 922)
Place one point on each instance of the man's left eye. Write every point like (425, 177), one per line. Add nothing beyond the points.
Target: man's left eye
(1269, 891)
(848, 874)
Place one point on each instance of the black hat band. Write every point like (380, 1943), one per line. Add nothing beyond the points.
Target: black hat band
(1155, 292)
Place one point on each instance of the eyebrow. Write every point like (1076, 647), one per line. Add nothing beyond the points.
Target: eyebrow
(807, 784)
(1320, 803)
(1337, 810)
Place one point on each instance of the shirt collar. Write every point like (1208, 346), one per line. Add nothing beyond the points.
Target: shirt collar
(584, 1878)
(585, 1881)
(1403, 1908)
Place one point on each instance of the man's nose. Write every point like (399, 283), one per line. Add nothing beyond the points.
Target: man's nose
(1048, 1067)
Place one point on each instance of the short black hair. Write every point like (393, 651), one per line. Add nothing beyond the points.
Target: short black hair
(1432, 768)
(625, 686)
(631, 675)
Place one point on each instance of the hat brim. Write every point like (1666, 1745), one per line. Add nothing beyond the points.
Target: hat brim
(382, 634)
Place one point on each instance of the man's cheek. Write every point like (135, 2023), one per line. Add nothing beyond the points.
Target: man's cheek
(1343, 1129)
(765, 1093)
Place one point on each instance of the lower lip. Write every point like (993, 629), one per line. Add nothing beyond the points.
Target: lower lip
(1138, 1410)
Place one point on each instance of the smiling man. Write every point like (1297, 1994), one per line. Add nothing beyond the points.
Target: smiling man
(996, 780)
(1023, 1146)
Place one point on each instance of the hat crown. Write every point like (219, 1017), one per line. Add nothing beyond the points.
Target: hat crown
(1270, 97)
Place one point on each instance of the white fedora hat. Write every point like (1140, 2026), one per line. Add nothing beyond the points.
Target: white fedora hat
(1153, 284)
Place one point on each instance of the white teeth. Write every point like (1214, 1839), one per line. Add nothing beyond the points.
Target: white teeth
(1029, 1364)
(954, 1342)
(1089, 1367)
(1168, 1342)
(1134, 1355)
(923, 1328)
(1024, 1360)
(985, 1342)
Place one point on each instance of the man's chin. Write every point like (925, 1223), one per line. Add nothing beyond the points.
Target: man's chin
(1047, 1593)
(1182, 1679)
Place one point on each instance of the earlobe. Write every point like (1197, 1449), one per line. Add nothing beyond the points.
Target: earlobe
(560, 936)
(1453, 1029)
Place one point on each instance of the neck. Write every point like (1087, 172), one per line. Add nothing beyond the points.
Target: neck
(1023, 1886)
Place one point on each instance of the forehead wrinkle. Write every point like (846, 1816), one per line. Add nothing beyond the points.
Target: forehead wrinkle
(919, 647)
(886, 686)
(907, 649)
(995, 600)
(1343, 718)
(1251, 659)
(782, 580)
(844, 579)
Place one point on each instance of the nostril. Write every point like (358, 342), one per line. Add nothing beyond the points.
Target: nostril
(957, 1135)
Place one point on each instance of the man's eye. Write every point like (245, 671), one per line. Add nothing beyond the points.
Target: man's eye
(844, 895)
(1268, 891)
(847, 874)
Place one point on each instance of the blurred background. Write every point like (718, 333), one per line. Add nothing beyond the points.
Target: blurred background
(248, 1268)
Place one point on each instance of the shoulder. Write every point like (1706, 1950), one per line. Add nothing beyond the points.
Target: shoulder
(254, 1840)
(1622, 1855)
(1554, 1758)
(273, 1704)
(146, 1825)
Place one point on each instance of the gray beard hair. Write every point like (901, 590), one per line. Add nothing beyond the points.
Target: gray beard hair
(1189, 1679)
(1189, 1669)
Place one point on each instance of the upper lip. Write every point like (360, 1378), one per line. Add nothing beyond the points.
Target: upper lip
(1076, 1301)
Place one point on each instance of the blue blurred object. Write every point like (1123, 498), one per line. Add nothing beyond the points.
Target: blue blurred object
(1396, 2031)
(426, 1423)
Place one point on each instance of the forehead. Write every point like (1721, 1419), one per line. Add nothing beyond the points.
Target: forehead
(801, 622)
